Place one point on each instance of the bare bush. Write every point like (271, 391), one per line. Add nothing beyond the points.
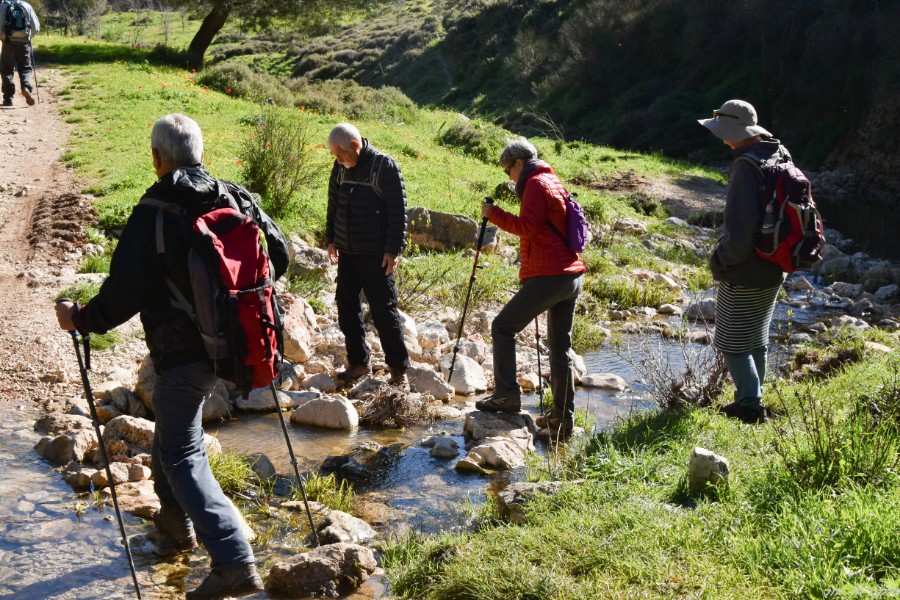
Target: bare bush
(390, 407)
(677, 372)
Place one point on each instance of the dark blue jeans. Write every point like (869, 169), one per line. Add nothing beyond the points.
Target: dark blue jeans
(182, 477)
(557, 295)
(363, 273)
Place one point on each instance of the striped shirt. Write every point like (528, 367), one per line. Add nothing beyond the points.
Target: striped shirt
(743, 316)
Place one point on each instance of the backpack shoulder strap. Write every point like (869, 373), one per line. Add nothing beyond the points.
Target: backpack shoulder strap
(565, 239)
(179, 301)
(374, 175)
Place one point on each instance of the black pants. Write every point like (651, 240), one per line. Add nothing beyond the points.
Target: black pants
(364, 273)
(16, 57)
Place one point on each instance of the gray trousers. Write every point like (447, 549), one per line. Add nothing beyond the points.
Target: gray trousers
(15, 57)
(557, 295)
(182, 477)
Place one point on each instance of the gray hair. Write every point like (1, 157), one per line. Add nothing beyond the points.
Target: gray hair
(516, 149)
(178, 140)
(342, 136)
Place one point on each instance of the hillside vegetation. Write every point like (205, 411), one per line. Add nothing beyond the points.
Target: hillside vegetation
(449, 163)
(811, 508)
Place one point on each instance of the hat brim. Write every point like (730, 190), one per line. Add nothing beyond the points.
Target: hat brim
(729, 131)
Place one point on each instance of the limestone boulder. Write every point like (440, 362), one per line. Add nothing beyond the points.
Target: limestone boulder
(428, 381)
(706, 469)
(468, 375)
(327, 571)
(331, 412)
(300, 329)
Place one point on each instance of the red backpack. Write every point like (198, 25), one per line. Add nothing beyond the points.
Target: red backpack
(233, 299)
(791, 233)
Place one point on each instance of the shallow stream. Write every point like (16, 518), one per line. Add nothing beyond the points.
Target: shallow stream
(55, 544)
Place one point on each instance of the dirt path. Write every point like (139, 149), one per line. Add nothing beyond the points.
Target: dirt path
(42, 217)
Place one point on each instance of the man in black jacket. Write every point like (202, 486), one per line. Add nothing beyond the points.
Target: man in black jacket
(188, 492)
(366, 231)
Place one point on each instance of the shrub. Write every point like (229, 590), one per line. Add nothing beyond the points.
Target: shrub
(475, 138)
(353, 100)
(241, 81)
(276, 158)
(822, 444)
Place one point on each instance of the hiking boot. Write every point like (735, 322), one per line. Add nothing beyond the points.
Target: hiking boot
(399, 379)
(224, 582)
(750, 414)
(7, 102)
(548, 420)
(173, 534)
(554, 434)
(494, 403)
(28, 97)
(353, 372)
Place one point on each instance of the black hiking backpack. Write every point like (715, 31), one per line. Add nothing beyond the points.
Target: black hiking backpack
(18, 23)
(232, 298)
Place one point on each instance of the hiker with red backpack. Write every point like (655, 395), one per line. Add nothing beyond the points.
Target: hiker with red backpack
(153, 273)
(552, 276)
(18, 24)
(748, 275)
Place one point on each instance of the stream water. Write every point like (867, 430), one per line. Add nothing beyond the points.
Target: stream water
(55, 544)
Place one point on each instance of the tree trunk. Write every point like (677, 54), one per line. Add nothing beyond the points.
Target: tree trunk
(210, 27)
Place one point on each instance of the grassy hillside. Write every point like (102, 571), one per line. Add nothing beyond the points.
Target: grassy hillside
(632, 74)
(811, 509)
(116, 92)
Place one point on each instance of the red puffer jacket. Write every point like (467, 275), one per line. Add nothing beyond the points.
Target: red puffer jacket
(542, 251)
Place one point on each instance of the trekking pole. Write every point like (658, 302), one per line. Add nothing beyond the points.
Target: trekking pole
(287, 439)
(34, 72)
(462, 320)
(537, 337)
(84, 364)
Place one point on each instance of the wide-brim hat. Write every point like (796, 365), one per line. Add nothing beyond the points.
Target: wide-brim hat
(734, 121)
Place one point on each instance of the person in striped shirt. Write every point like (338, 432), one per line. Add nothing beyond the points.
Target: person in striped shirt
(747, 284)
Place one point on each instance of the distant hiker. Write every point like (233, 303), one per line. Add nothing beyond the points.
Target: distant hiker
(18, 24)
(747, 284)
(552, 276)
(138, 282)
(366, 231)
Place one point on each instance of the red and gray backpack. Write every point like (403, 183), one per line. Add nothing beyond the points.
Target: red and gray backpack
(232, 297)
(791, 232)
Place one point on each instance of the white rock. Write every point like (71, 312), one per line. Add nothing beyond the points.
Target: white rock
(468, 376)
(331, 412)
(605, 381)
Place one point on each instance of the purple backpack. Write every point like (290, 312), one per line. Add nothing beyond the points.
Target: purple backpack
(577, 227)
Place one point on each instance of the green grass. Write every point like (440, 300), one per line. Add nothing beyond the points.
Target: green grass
(627, 528)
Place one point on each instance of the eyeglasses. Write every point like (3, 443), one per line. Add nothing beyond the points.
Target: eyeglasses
(717, 114)
(508, 169)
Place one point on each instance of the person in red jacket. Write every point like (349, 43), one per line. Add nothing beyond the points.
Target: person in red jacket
(551, 276)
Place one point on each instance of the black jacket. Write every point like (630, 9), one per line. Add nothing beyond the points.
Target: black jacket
(733, 259)
(136, 282)
(360, 221)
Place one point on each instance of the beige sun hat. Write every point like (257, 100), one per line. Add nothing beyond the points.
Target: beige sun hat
(734, 121)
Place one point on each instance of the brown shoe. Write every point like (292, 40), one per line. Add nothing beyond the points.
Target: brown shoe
(494, 403)
(28, 97)
(225, 582)
(399, 379)
(353, 372)
(553, 425)
(173, 534)
(745, 413)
